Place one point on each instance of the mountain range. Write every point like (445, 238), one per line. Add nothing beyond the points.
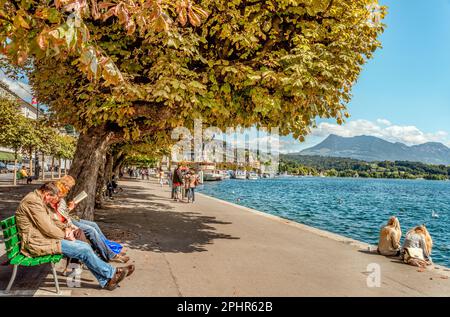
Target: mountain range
(370, 148)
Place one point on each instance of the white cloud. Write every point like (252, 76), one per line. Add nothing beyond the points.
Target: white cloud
(21, 89)
(384, 122)
(382, 128)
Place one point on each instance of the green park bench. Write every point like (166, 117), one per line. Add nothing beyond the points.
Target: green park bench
(12, 244)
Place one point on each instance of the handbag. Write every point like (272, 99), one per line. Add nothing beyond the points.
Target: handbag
(414, 256)
(114, 246)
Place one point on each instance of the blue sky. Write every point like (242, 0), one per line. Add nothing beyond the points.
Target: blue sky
(403, 93)
(408, 81)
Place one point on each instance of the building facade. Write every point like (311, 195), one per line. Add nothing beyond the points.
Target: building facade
(26, 109)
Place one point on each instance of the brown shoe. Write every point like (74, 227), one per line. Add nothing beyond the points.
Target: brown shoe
(120, 259)
(130, 269)
(120, 274)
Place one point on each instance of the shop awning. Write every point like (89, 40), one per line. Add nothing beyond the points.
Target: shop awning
(6, 156)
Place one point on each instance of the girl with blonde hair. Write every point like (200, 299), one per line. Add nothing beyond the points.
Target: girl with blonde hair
(417, 247)
(389, 242)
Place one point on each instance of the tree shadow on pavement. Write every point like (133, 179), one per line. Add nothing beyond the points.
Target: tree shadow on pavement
(149, 223)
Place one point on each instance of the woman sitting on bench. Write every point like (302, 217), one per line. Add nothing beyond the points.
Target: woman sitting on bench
(108, 250)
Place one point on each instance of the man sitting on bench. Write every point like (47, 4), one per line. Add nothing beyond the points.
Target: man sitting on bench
(41, 236)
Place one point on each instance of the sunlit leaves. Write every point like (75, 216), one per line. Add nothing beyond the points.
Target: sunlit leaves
(152, 67)
(62, 28)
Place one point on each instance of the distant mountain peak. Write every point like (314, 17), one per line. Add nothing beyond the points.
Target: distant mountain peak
(371, 148)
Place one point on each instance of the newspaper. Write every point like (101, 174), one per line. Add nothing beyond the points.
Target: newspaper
(80, 197)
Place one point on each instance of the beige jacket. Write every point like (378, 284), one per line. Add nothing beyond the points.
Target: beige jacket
(39, 233)
(389, 243)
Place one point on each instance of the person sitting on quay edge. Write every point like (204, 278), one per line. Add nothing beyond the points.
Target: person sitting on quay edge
(416, 249)
(41, 236)
(389, 242)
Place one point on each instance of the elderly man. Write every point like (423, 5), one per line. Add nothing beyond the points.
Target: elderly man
(40, 235)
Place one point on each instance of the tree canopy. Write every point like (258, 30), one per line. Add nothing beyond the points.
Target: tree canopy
(16, 131)
(26, 135)
(274, 62)
(120, 70)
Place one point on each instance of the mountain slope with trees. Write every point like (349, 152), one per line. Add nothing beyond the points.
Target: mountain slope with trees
(370, 148)
(345, 167)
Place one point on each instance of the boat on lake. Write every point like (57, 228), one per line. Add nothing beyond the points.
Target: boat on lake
(225, 174)
(212, 175)
(238, 174)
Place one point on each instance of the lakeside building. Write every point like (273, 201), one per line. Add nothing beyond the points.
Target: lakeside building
(29, 111)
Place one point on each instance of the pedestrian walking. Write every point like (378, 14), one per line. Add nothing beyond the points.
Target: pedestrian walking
(193, 182)
(161, 177)
(177, 183)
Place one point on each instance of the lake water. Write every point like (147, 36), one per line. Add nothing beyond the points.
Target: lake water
(355, 208)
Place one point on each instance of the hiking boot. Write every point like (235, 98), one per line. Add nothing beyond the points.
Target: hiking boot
(113, 282)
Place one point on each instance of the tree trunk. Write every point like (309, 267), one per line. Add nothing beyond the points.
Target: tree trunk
(53, 168)
(120, 168)
(89, 156)
(117, 164)
(43, 166)
(59, 168)
(31, 162)
(65, 166)
(102, 178)
(15, 170)
(109, 168)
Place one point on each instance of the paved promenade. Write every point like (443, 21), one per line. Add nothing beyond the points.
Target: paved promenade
(214, 248)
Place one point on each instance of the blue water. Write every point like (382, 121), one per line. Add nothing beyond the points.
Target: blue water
(355, 208)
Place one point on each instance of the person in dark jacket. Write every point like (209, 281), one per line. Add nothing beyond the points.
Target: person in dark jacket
(177, 182)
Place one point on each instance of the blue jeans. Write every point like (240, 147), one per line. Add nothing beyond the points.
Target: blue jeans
(82, 251)
(96, 236)
(191, 194)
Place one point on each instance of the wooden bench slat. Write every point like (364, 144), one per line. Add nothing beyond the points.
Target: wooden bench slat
(8, 233)
(46, 259)
(17, 259)
(56, 258)
(36, 261)
(26, 261)
(14, 251)
(11, 242)
(8, 222)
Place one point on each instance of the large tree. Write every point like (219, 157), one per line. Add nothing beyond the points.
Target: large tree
(127, 68)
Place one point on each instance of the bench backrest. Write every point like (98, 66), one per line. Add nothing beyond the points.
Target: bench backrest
(11, 236)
